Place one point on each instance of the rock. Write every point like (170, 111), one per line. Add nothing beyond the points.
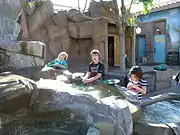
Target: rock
(93, 131)
(59, 96)
(99, 28)
(55, 48)
(47, 73)
(33, 48)
(23, 54)
(24, 28)
(99, 9)
(9, 29)
(30, 9)
(76, 16)
(55, 32)
(66, 44)
(60, 19)
(175, 127)
(21, 61)
(10, 9)
(14, 91)
(51, 126)
(41, 14)
(41, 34)
(80, 30)
(85, 47)
(153, 129)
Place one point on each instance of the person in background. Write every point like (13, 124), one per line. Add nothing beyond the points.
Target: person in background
(60, 62)
(136, 82)
(96, 68)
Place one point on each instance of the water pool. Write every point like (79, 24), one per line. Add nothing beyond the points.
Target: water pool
(53, 122)
(161, 112)
(98, 91)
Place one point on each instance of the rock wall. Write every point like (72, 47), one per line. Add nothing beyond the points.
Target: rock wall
(22, 54)
(10, 9)
(69, 31)
(9, 13)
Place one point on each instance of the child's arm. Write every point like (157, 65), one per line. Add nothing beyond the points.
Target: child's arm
(133, 86)
(62, 64)
(142, 90)
(99, 75)
(87, 75)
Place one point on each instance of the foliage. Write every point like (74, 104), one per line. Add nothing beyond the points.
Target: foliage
(30, 4)
(147, 4)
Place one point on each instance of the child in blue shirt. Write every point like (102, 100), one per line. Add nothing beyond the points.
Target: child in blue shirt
(60, 62)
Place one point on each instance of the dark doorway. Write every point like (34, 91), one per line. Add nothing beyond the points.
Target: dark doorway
(111, 50)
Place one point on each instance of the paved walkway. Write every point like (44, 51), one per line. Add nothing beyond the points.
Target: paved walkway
(116, 70)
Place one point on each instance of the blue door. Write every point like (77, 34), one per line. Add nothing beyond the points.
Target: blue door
(141, 48)
(159, 50)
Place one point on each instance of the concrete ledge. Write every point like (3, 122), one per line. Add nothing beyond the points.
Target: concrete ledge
(34, 48)
(22, 54)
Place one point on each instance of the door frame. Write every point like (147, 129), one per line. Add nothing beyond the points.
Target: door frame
(111, 35)
(165, 57)
(137, 46)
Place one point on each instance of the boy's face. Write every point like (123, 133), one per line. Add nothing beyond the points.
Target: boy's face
(62, 57)
(95, 57)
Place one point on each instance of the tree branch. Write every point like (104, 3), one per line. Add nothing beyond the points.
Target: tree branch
(130, 5)
(79, 5)
(85, 6)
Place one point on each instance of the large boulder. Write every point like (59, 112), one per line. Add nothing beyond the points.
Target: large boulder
(51, 73)
(9, 29)
(10, 9)
(14, 92)
(23, 54)
(55, 32)
(80, 29)
(30, 9)
(76, 16)
(47, 73)
(41, 14)
(110, 115)
(9, 13)
(61, 19)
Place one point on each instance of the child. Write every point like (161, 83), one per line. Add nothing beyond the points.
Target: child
(136, 81)
(59, 62)
(96, 68)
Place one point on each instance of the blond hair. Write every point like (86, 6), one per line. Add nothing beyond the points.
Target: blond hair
(95, 51)
(63, 53)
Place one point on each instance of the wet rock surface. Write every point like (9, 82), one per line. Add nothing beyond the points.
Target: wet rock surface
(53, 106)
(14, 92)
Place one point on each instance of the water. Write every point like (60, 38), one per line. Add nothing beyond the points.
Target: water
(98, 91)
(161, 112)
(59, 122)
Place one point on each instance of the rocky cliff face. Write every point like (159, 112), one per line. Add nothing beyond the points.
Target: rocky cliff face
(69, 31)
(9, 12)
(10, 9)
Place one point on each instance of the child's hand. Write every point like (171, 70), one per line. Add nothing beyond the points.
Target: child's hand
(131, 87)
(56, 64)
(86, 81)
(137, 88)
